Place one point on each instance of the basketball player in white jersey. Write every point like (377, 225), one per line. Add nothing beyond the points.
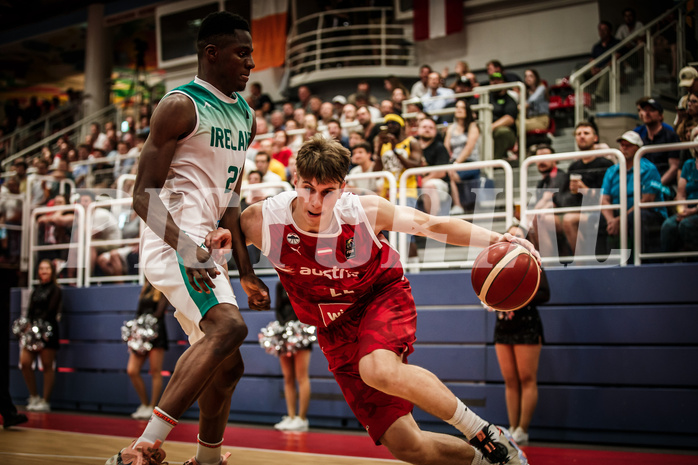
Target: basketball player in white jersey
(188, 183)
(342, 276)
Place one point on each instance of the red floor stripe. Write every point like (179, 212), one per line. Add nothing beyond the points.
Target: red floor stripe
(353, 445)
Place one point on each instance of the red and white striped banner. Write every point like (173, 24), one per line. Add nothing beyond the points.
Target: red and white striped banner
(437, 18)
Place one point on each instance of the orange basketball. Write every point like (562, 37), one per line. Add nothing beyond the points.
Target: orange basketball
(505, 276)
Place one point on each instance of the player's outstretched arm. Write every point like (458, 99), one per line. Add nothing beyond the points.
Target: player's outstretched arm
(174, 117)
(455, 231)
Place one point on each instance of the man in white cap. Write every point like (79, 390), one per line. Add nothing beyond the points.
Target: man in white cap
(688, 78)
(651, 183)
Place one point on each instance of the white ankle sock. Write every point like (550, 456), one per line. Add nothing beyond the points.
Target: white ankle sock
(159, 426)
(466, 421)
(479, 459)
(208, 454)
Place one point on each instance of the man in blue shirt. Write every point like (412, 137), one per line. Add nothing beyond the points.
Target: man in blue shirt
(650, 182)
(655, 132)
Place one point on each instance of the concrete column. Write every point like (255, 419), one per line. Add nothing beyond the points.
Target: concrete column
(96, 60)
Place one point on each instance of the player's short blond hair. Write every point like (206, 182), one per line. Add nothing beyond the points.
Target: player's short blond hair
(324, 160)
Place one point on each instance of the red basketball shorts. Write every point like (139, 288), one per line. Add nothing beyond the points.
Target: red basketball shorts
(388, 321)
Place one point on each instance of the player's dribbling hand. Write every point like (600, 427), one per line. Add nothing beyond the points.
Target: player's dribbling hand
(219, 243)
(257, 292)
(524, 243)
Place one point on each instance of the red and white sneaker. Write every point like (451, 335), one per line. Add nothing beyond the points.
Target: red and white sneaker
(224, 460)
(143, 454)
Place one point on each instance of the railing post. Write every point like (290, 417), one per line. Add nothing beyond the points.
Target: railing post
(614, 85)
(649, 63)
(680, 39)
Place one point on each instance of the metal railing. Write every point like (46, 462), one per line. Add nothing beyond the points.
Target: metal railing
(623, 206)
(642, 52)
(484, 109)
(392, 192)
(638, 255)
(40, 128)
(76, 133)
(112, 243)
(507, 214)
(347, 38)
(77, 247)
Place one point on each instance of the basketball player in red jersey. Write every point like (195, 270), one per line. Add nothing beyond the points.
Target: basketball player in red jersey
(343, 277)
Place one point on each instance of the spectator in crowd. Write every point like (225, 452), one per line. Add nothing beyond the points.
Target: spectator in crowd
(688, 79)
(348, 114)
(287, 109)
(105, 226)
(81, 173)
(20, 168)
(396, 97)
(362, 159)
(436, 184)
(294, 366)
(546, 229)
(279, 147)
(326, 112)
(434, 89)
(630, 25)
(462, 85)
(334, 130)
(650, 183)
(586, 179)
(46, 304)
(252, 195)
(10, 215)
(460, 69)
(294, 140)
(680, 232)
(277, 120)
(262, 161)
(461, 142)
(518, 340)
(99, 139)
(56, 228)
(40, 189)
(395, 152)
(338, 102)
(504, 114)
(689, 120)
(495, 66)
(605, 43)
(363, 89)
(128, 164)
(537, 101)
(150, 302)
(370, 129)
(310, 126)
(356, 135)
(386, 106)
(391, 83)
(314, 106)
(653, 132)
(304, 95)
(420, 88)
(259, 101)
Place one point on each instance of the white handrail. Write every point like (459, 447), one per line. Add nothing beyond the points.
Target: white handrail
(637, 199)
(392, 192)
(79, 220)
(623, 206)
(89, 242)
(484, 108)
(508, 213)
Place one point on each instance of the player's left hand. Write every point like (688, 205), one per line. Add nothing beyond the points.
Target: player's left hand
(219, 244)
(257, 292)
(523, 243)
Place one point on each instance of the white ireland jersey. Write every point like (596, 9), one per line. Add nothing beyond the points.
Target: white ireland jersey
(208, 163)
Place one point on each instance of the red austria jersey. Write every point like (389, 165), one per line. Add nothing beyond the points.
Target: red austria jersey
(328, 275)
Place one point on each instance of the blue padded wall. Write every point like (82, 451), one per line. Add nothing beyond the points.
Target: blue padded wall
(618, 365)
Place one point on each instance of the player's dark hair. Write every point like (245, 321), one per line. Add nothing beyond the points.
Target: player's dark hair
(323, 160)
(219, 26)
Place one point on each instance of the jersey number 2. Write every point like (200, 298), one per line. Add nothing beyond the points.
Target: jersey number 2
(231, 180)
